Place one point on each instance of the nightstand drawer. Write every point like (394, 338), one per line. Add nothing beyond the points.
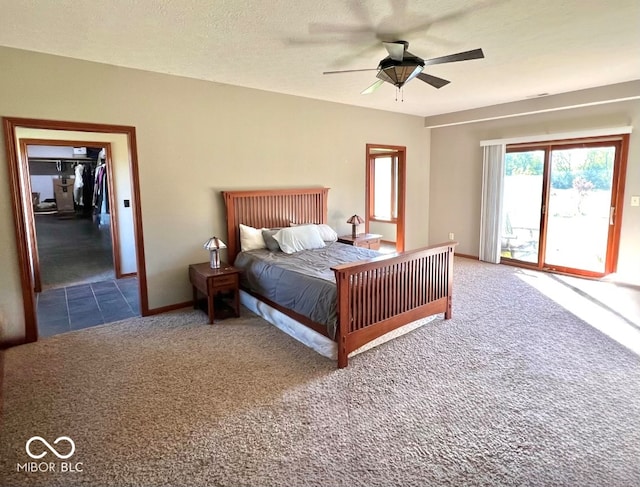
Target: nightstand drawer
(373, 244)
(365, 240)
(224, 282)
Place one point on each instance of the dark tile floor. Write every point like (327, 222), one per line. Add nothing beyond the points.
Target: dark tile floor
(73, 251)
(84, 305)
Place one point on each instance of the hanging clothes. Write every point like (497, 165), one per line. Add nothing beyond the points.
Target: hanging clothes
(87, 189)
(78, 184)
(101, 196)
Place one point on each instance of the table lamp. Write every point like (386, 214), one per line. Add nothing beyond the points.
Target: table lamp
(213, 245)
(355, 220)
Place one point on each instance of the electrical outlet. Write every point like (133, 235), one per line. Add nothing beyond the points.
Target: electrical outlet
(635, 201)
(451, 236)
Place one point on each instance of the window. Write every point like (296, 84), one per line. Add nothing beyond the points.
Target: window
(384, 177)
(385, 192)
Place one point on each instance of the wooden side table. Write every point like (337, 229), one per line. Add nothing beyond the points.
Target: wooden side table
(366, 240)
(214, 282)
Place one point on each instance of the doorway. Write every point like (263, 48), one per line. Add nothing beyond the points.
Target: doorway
(127, 254)
(385, 194)
(75, 224)
(562, 205)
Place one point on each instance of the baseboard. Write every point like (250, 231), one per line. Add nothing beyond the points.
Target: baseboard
(467, 256)
(12, 343)
(166, 309)
(127, 275)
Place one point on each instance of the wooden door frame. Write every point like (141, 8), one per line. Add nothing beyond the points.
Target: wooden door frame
(401, 152)
(30, 215)
(18, 187)
(617, 202)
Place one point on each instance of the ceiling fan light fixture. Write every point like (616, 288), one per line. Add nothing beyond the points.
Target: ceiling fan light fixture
(401, 66)
(398, 73)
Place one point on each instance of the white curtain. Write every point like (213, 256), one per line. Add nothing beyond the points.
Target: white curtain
(491, 209)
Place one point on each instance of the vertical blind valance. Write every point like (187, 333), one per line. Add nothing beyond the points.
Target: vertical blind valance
(579, 134)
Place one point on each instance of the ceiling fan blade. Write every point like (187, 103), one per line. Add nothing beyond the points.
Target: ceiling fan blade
(349, 59)
(433, 80)
(373, 87)
(360, 11)
(349, 71)
(451, 58)
(425, 23)
(299, 41)
(325, 28)
(395, 50)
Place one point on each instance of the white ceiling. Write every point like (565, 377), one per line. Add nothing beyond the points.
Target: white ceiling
(531, 46)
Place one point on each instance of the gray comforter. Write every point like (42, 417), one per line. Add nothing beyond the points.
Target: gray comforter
(303, 281)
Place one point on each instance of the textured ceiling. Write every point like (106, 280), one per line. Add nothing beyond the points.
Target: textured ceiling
(531, 47)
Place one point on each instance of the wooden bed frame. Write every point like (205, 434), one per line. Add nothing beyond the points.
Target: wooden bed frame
(374, 296)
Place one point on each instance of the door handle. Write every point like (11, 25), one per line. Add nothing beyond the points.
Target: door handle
(612, 211)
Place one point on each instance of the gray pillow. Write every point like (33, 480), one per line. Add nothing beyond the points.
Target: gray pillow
(270, 242)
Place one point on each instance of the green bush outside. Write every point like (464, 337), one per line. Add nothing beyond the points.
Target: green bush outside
(597, 167)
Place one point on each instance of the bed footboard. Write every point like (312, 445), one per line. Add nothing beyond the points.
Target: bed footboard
(384, 293)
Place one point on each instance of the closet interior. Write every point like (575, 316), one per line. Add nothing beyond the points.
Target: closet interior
(72, 187)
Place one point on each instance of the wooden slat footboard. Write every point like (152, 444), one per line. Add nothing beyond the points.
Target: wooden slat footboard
(384, 293)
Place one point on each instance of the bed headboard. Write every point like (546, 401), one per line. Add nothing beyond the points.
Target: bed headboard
(271, 208)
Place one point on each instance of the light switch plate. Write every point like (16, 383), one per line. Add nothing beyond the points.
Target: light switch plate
(635, 201)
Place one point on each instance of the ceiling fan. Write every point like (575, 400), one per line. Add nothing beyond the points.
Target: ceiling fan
(400, 66)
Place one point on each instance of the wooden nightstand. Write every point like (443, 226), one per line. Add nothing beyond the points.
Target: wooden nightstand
(213, 283)
(366, 240)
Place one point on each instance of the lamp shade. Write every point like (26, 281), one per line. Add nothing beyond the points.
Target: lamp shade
(214, 243)
(355, 220)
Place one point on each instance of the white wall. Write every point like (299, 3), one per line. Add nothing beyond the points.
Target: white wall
(387, 230)
(456, 171)
(50, 151)
(196, 138)
(42, 185)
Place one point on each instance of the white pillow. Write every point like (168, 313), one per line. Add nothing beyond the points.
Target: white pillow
(295, 239)
(327, 233)
(251, 238)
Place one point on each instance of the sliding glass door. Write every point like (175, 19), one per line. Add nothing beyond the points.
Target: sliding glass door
(579, 209)
(561, 206)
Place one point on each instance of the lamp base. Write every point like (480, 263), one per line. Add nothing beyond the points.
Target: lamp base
(354, 231)
(215, 259)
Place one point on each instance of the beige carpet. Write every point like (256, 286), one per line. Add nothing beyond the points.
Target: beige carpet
(515, 390)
